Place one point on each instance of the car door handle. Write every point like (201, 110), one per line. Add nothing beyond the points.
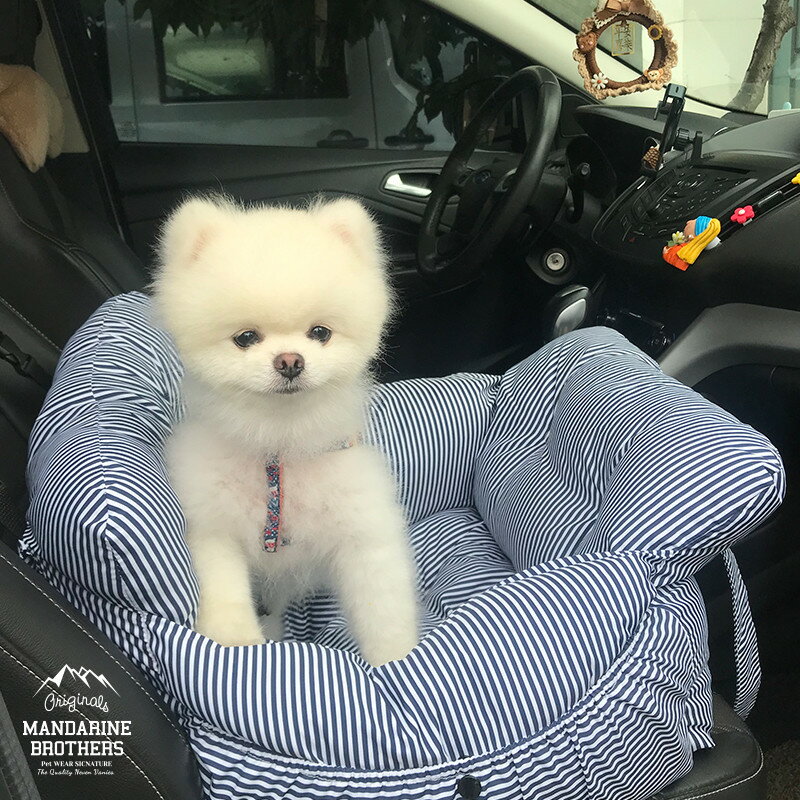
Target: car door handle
(343, 140)
(410, 184)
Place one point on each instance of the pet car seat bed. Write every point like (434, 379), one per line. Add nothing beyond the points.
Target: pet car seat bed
(557, 514)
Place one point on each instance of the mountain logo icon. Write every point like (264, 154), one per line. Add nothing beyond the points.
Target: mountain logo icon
(82, 675)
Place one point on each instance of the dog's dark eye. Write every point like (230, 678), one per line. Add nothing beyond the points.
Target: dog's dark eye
(319, 333)
(246, 339)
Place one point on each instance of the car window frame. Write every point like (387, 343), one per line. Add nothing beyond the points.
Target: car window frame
(141, 113)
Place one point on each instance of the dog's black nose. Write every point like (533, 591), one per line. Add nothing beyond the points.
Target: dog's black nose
(290, 365)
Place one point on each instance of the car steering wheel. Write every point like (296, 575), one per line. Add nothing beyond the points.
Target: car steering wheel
(492, 198)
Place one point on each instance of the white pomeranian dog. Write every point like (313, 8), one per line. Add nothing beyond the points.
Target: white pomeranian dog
(277, 314)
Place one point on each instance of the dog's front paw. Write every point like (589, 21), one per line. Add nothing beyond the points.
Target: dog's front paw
(229, 625)
(389, 645)
(271, 627)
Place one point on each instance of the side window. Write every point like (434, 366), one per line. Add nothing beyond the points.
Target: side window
(437, 72)
(234, 63)
(397, 74)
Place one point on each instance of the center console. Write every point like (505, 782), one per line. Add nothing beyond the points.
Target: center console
(757, 263)
(642, 220)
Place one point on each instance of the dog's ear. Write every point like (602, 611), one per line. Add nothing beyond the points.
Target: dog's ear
(189, 228)
(351, 222)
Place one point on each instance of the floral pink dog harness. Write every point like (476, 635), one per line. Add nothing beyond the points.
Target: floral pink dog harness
(273, 538)
(272, 528)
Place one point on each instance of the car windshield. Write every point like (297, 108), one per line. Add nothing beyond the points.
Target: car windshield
(738, 56)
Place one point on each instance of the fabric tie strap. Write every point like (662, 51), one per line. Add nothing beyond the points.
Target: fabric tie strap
(745, 643)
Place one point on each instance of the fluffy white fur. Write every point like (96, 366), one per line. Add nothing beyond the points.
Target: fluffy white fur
(225, 269)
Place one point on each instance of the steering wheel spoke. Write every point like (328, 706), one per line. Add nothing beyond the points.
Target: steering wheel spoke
(506, 182)
(490, 199)
(450, 243)
(460, 183)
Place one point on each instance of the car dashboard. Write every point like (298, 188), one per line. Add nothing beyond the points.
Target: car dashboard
(756, 263)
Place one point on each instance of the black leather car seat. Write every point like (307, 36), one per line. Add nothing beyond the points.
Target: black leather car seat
(39, 634)
(58, 264)
(58, 261)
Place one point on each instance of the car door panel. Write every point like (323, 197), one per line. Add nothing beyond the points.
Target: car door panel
(153, 179)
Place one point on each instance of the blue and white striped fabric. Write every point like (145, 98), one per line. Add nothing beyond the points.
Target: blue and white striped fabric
(558, 514)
